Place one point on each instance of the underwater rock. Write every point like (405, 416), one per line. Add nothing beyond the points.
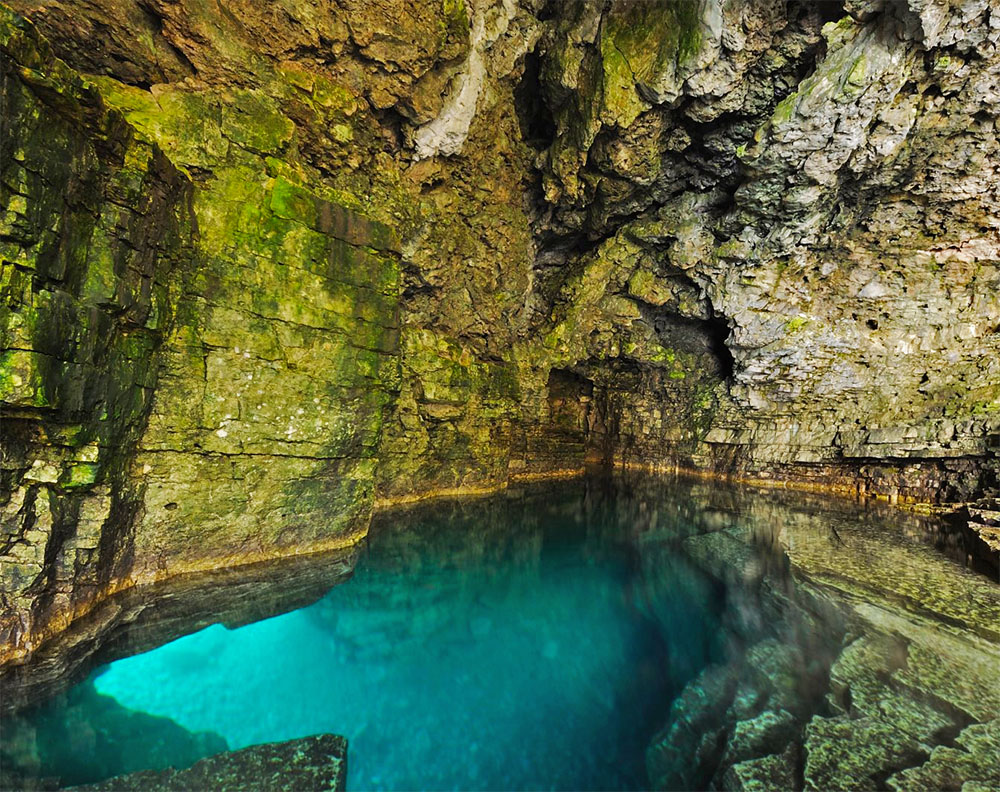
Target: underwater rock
(765, 774)
(862, 684)
(83, 736)
(684, 754)
(970, 764)
(824, 667)
(904, 689)
(854, 753)
(770, 732)
(310, 763)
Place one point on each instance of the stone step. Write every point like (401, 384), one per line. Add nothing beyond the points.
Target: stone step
(985, 515)
(988, 533)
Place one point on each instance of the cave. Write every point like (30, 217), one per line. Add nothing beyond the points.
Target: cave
(499, 395)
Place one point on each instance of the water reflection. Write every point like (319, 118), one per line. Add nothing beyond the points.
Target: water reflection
(592, 634)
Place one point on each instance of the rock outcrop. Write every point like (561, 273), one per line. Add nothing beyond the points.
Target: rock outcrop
(268, 266)
(318, 762)
(883, 695)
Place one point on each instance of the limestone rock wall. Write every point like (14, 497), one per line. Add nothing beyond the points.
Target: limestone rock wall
(95, 225)
(317, 256)
(199, 349)
(788, 174)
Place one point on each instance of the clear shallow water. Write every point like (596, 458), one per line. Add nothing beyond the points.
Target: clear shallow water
(504, 669)
(587, 635)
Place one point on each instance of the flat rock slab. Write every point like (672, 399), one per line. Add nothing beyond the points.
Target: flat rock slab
(309, 764)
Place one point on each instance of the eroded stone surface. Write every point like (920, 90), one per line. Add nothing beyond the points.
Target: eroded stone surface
(902, 691)
(311, 763)
(315, 257)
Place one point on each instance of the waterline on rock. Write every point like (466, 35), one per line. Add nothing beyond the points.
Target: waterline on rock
(605, 633)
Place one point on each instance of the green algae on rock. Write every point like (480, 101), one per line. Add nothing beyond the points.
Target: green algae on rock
(246, 299)
(96, 223)
(262, 315)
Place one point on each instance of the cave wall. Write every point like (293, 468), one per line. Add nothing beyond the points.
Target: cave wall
(95, 225)
(269, 267)
(824, 184)
(199, 349)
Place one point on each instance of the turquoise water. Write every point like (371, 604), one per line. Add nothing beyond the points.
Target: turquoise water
(491, 645)
(543, 639)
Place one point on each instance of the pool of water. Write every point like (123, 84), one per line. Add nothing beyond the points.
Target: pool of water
(596, 634)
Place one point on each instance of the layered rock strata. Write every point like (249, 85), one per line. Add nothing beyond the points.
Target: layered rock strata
(267, 267)
(847, 668)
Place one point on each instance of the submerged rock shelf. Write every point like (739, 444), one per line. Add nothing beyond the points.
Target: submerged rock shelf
(636, 632)
(312, 763)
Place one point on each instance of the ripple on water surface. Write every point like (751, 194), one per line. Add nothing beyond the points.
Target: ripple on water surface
(586, 635)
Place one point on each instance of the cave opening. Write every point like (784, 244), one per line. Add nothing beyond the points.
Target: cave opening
(828, 10)
(693, 334)
(569, 398)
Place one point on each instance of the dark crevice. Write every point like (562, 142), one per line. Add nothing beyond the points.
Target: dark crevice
(548, 10)
(145, 85)
(808, 16)
(156, 23)
(909, 758)
(538, 128)
(420, 288)
(827, 10)
(718, 333)
(691, 335)
(391, 125)
(568, 384)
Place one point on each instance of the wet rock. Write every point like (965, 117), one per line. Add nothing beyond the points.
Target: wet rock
(839, 559)
(862, 683)
(768, 733)
(778, 670)
(900, 688)
(776, 771)
(971, 764)
(985, 520)
(725, 556)
(964, 674)
(685, 753)
(311, 763)
(854, 753)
